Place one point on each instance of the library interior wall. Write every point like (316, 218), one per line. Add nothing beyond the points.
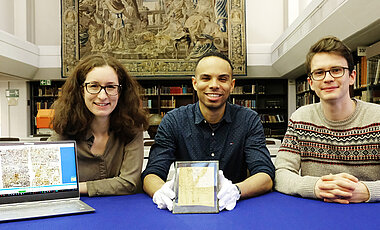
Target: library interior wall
(267, 55)
(14, 118)
(46, 37)
(47, 22)
(272, 49)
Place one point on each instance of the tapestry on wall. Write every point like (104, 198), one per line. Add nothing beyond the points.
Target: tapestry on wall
(154, 37)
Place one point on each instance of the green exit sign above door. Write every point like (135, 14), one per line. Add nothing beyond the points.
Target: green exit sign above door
(45, 82)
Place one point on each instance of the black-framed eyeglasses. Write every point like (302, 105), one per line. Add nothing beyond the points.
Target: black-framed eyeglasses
(335, 72)
(95, 88)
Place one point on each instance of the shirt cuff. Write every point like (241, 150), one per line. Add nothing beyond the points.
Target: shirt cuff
(91, 191)
(374, 190)
(307, 188)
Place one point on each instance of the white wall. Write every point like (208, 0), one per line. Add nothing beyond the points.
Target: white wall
(294, 8)
(40, 24)
(14, 119)
(47, 22)
(264, 20)
(6, 16)
(4, 118)
(38, 21)
(264, 23)
(20, 22)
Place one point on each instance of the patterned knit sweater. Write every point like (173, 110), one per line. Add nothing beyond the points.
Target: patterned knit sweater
(314, 146)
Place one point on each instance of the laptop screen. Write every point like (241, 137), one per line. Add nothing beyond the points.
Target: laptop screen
(31, 171)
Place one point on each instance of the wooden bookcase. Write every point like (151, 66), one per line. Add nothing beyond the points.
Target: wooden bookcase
(266, 96)
(367, 85)
(304, 94)
(269, 98)
(42, 97)
(161, 96)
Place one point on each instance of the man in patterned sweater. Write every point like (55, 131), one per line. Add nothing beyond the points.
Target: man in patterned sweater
(331, 150)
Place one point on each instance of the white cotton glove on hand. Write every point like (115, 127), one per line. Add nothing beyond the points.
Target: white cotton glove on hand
(164, 196)
(228, 193)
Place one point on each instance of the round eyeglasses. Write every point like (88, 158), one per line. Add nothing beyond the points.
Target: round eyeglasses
(95, 88)
(335, 72)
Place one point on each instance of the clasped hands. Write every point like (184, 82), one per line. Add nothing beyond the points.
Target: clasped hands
(227, 195)
(341, 188)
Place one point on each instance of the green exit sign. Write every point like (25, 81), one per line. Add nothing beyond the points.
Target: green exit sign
(45, 82)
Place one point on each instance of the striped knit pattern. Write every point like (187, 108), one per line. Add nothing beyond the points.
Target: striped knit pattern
(314, 146)
(354, 146)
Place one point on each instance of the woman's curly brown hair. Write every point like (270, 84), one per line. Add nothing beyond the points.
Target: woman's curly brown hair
(73, 119)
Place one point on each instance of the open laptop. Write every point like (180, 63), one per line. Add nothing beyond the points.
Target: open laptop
(39, 179)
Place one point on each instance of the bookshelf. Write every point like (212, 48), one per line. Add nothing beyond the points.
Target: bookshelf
(304, 94)
(367, 85)
(42, 97)
(268, 97)
(161, 96)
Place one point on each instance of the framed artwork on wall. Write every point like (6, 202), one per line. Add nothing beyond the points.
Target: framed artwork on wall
(154, 37)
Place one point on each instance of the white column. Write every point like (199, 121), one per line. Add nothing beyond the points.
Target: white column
(18, 114)
(20, 22)
(4, 118)
(6, 16)
(14, 118)
(293, 11)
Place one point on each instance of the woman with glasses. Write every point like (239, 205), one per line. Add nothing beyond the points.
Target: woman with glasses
(100, 109)
(331, 149)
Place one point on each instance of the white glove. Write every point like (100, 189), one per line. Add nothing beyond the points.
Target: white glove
(228, 193)
(164, 196)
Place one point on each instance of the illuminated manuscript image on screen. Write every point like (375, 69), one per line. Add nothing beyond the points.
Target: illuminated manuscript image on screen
(24, 167)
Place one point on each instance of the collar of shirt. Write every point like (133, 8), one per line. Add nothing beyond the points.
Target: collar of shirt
(199, 117)
(89, 138)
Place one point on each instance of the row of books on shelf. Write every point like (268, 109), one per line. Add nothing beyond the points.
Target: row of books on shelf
(168, 103)
(369, 95)
(147, 103)
(49, 91)
(244, 89)
(376, 96)
(151, 90)
(272, 118)
(245, 103)
(155, 90)
(307, 98)
(302, 86)
(176, 90)
(270, 104)
(367, 72)
(249, 89)
(164, 103)
(43, 104)
(275, 133)
(273, 104)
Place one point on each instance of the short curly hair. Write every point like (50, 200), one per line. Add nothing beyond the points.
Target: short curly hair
(73, 119)
(215, 54)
